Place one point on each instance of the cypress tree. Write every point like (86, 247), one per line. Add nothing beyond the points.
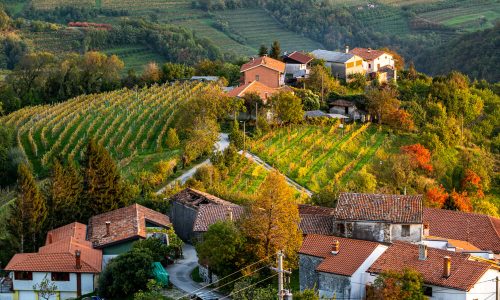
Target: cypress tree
(263, 50)
(65, 188)
(275, 50)
(101, 181)
(29, 211)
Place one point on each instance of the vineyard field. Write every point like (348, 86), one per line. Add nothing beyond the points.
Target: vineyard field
(135, 57)
(130, 124)
(317, 156)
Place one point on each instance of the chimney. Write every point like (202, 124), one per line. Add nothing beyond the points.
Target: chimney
(422, 252)
(78, 262)
(369, 50)
(426, 229)
(229, 214)
(346, 49)
(49, 238)
(446, 266)
(335, 247)
(108, 224)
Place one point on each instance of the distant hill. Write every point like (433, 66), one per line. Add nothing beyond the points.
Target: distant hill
(475, 54)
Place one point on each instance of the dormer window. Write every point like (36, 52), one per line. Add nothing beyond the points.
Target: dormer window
(257, 77)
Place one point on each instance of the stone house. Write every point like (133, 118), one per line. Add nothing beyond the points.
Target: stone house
(336, 266)
(114, 232)
(266, 70)
(348, 108)
(482, 231)
(297, 64)
(66, 259)
(188, 208)
(446, 274)
(341, 64)
(379, 63)
(378, 217)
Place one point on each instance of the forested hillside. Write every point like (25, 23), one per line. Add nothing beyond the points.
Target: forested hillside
(475, 54)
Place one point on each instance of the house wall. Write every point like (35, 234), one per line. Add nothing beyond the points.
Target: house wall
(381, 61)
(182, 218)
(416, 231)
(293, 68)
(338, 69)
(308, 277)
(333, 286)
(359, 278)
(354, 66)
(269, 77)
(118, 248)
(66, 289)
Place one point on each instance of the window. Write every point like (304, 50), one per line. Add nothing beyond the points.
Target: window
(340, 229)
(350, 65)
(257, 77)
(59, 276)
(369, 66)
(359, 63)
(427, 291)
(23, 275)
(405, 230)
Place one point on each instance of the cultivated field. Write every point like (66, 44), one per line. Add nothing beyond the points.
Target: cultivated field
(129, 123)
(62, 40)
(317, 156)
(135, 57)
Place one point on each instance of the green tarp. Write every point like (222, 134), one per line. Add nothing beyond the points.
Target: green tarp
(161, 275)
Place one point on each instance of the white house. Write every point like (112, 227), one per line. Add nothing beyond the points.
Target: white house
(297, 64)
(336, 266)
(447, 275)
(341, 64)
(378, 64)
(67, 260)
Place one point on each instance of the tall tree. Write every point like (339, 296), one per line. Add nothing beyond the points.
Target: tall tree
(272, 222)
(29, 211)
(288, 107)
(275, 50)
(392, 285)
(263, 51)
(65, 188)
(101, 181)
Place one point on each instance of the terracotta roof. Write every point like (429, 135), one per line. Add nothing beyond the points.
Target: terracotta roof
(314, 209)
(126, 223)
(316, 224)
(209, 214)
(58, 255)
(464, 272)
(299, 57)
(367, 54)
(352, 253)
(480, 230)
(195, 198)
(76, 230)
(379, 207)
(342, 103)
(265, 61)
(255, 86)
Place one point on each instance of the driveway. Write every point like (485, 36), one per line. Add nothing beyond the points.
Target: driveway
(180, 272)
(221, 145)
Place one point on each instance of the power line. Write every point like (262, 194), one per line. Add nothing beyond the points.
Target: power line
(233, 293)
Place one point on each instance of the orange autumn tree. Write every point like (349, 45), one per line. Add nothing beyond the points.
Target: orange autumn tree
(472, 183)
(436, 196)
(420, 157)
(459, 201)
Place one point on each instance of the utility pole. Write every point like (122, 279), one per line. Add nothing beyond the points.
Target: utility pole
(282, 293)
(496, 286)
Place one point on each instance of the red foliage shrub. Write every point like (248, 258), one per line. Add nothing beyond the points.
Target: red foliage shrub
(420, 156)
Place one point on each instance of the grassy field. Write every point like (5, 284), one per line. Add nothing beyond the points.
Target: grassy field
(385, 19)
(317, 156)
(129, 124)
(135, 57)
(258, 28)
(468, 17)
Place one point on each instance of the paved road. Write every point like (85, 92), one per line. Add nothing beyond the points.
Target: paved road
(268, 167)
(221, 145)
(180, 273)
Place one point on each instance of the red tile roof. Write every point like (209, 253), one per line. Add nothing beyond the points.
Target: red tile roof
(126, 223)
(299, 57)
(195, 198)
(209, 214)
(252, 87)
(316, 210)
(464, 272)
(480, 230)
(316, 224)
(352, 253)
(367, 54)
(379, 207)
(58, 255)
(76, 230)
(265, 61)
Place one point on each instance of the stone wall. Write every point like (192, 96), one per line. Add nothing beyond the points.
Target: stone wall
(332, 286)
(415, 233)
(308, 277)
